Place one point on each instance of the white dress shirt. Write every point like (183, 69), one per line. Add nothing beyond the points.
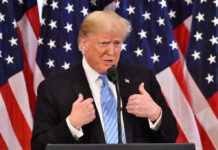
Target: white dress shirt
(95, 84)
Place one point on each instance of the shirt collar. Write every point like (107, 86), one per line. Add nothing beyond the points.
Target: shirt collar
(91, 74)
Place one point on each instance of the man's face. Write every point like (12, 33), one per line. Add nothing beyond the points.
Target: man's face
(102, 50)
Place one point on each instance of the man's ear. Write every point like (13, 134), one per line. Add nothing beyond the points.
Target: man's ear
(83, 44)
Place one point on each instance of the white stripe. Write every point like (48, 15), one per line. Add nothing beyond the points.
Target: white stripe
(188, 23)
(180, 107)
(202, 109)
(40, 4)
(38, 77)
(6, 129)
(29, 40)
(110, 7)
(181, 57)
(18, 86)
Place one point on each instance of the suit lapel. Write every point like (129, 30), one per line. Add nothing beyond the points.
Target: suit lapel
(94, 127)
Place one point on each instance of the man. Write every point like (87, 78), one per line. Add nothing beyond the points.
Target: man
(70, 105)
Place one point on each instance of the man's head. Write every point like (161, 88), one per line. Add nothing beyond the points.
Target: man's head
(101, 36)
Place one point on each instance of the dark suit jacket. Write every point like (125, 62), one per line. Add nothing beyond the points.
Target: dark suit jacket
(57, 94)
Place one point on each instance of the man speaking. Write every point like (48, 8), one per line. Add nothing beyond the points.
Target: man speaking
(79, 105)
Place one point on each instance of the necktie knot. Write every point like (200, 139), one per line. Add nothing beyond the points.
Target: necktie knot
(104, 79)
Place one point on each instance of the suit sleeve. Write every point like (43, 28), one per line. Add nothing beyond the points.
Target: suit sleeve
(168, 131)
(48, 128)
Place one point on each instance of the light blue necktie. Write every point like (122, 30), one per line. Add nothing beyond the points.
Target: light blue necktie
(109, 109)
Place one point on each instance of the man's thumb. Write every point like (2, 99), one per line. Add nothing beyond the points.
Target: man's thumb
(142, 89)
(80, 98)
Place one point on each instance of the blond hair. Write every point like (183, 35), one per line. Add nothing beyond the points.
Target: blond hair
(104, 21)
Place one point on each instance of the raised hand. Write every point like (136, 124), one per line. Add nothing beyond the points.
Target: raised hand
(82, 112)
(142, 105)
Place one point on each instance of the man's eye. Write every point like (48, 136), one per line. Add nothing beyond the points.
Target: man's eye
(117, 44)
(103, 43)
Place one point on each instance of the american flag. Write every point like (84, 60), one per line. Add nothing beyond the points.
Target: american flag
(19, 29)
(195, 29)
(151, 44)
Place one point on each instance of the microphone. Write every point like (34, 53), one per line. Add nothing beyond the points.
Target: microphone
(112, 75)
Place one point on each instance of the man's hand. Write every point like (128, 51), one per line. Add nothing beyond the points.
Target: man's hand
(142, 105)
(82, 112)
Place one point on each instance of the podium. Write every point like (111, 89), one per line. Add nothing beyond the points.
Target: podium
(147, 146)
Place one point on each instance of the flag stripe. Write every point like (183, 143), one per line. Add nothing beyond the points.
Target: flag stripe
(188, 23)
(29, 32)
(206, 142)
(181, 137)
(213, 103)
(28, 76)
(2, 143)
(6, 129)
(110, 6)
(38, 77)
(28, 36)
(181, 34)
(21, 96)
(32, 14)
(176, 69)
(180, 107)
(18, 121)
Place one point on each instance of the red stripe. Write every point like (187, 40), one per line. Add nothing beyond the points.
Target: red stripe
(206, 143)
(28, 76)
(18, 122)
(181, 34)
(3, 145)
(33, 16)
(177, 70)
(213, 102)
(181, 137)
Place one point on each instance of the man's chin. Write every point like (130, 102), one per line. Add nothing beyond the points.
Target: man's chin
(109, 66)
(104, 71)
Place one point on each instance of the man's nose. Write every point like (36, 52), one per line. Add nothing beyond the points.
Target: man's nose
(111, 49)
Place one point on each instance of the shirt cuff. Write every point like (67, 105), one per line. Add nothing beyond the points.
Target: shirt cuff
(155, 126)
(76, 133)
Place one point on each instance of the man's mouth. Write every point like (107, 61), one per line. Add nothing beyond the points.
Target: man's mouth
(109, 61)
